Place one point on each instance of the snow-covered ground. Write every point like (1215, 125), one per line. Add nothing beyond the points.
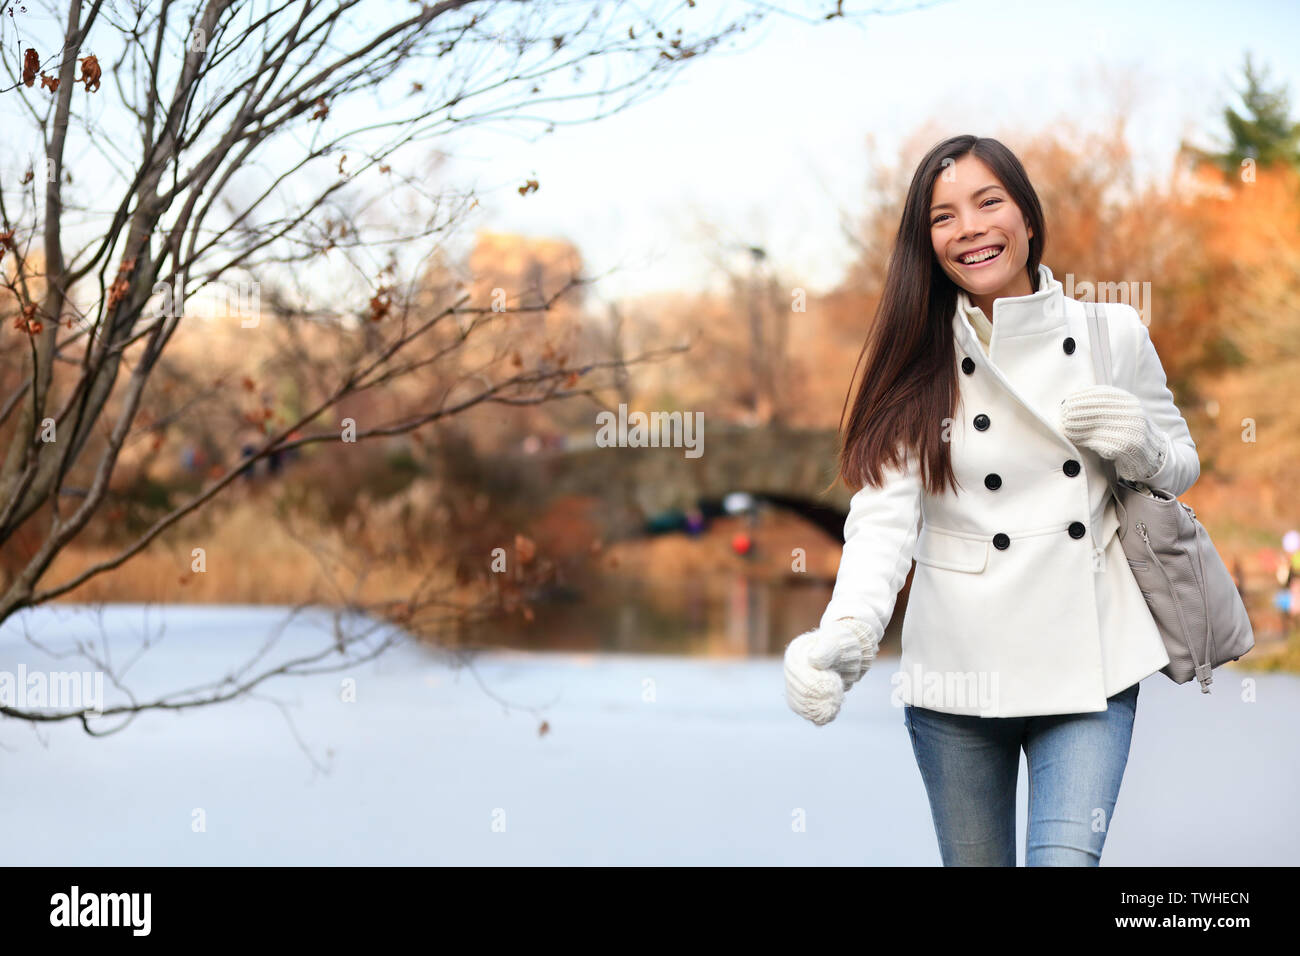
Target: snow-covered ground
(647, 760)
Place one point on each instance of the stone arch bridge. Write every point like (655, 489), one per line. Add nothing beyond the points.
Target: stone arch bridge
(789, 468)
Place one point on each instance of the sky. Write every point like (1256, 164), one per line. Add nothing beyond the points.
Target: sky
(767, 141)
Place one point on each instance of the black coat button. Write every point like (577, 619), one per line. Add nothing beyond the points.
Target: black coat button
(1071, 467)
(992, 482)
(981, 421)
(968, 365)
(1076, 529)
(1001, 541)
(1068, 345)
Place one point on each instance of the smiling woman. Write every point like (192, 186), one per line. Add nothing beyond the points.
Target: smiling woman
(1025, 627)
(980, 236)
(970, 193)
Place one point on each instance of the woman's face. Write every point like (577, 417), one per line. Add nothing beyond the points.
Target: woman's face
(979, 234)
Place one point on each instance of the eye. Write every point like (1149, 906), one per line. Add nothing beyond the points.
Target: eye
(989, 200)
(935, 221)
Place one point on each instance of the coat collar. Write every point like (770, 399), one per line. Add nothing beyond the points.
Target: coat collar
(1040, 311)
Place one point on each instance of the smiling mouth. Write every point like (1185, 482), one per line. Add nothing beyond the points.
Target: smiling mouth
(981, 256)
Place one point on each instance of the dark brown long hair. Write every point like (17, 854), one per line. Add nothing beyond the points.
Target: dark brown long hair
(909, 382)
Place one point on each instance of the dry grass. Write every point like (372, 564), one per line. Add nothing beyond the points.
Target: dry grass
(249, 557)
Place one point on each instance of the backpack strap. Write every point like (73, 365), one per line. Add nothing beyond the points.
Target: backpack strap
(1099, 335)
(1099, 346)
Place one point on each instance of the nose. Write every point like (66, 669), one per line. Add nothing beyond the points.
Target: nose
(969, 230)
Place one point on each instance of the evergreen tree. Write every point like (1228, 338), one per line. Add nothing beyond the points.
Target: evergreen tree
(1264, 132)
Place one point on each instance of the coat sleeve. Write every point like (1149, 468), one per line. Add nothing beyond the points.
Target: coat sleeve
(1182, 465)
(880, 535)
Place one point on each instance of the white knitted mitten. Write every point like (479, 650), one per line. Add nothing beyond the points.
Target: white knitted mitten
(824, 663)
(1111, 422)
(846, 646)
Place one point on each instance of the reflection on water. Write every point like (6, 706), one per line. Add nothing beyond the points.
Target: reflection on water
(729, 614)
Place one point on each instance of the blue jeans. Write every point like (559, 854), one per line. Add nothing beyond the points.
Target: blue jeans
(969, 766)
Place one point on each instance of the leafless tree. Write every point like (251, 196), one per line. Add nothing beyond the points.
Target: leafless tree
(172, 149)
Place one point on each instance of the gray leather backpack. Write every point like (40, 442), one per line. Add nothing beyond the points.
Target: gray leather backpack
(1191, 595)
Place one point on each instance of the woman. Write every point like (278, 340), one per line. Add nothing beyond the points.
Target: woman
(976, 437)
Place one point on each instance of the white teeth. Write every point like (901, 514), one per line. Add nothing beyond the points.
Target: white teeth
(980, 256)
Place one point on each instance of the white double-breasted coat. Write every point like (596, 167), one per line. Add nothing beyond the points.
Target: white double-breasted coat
(1022, 601)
